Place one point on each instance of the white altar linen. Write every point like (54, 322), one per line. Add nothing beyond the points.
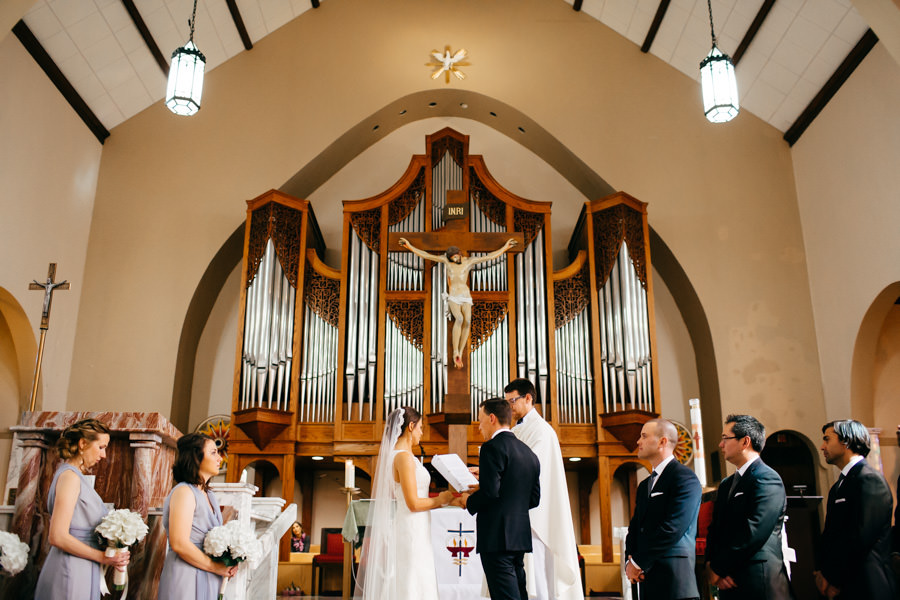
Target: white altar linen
(458, 567)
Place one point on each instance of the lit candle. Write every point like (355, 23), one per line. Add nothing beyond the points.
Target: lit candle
(349, 474)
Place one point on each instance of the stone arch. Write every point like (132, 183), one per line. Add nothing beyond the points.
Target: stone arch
(794, 458)
(862, 398)
(506, 120)
(18, 352)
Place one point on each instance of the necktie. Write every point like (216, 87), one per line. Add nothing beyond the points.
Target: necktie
(840, 479)
(734, 483)
(519, 422)
(650, 482)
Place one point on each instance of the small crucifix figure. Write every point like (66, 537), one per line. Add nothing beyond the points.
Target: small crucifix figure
(48, 288)
(458, 299)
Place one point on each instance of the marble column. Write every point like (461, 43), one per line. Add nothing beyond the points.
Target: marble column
(145, 446)
(34, 446)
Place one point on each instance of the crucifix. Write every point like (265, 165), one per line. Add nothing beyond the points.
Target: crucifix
(48, 288)
(458, 301)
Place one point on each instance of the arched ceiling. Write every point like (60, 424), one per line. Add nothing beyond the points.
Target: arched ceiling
(113, 53)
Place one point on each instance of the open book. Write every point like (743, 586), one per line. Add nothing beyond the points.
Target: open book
(454, 471)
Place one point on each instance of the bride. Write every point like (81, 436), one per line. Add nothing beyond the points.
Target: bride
(396, 562)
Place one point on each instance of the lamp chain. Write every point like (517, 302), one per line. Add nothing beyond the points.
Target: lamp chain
(708, 3)
(194, 18)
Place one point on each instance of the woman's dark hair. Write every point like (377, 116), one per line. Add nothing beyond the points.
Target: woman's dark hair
(852, 434)
(410, 417)
(85, 429)
(188, 457)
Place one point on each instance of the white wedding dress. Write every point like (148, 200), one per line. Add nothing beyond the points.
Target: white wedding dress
(416, 579)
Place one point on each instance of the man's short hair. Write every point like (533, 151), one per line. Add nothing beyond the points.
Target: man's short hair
(521, 387)
(852, 434)
(452, 251)
(747, 426)
(498, 407)
(666, 429)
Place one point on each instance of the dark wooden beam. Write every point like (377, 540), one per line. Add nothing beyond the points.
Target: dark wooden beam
(834, 83)
(654, 26)
(40, 56)
(239, 23)
(752, 30)
(138, 21)
(576, 5)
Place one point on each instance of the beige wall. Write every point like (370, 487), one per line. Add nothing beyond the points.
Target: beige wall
(722, 198)
(49, 163)
(847, 185)
(886, 386)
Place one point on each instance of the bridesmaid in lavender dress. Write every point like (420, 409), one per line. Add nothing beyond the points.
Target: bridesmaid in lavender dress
(189, 512)
(72, 568)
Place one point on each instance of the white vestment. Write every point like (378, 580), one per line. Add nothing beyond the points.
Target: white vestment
(551, 520)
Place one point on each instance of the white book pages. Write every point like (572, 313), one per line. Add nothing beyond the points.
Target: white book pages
(454, 470)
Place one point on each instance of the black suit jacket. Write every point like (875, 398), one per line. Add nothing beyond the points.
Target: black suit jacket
(508, 488)
(663, 532)
(855, 545)
(744, 538)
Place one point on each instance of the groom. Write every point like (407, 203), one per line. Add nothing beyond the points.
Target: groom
(508, 488)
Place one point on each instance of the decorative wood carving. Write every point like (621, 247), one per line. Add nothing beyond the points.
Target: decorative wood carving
(571, 296)
(528, 223)
(409, 317)
(323, 295)
(444, 145)
(400, 207)
(611, 226)
(486, 317)
(490, 205)
(367, 225)
(283, 225)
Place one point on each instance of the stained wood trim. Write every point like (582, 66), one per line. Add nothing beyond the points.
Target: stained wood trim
(834, 83)
(761, 15)
(142, 28)
(412, 171)
(239, 22)
(476, 161)
(654, 26)
(40, 56)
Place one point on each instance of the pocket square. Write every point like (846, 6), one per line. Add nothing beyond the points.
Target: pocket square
(839, 500)
(655, 494)
(738, 494)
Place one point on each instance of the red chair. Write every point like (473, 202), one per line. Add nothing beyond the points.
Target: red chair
(704, 519)
(332, 553)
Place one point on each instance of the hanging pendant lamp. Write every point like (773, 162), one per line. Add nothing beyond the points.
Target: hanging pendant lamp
(185, 84)
(717, 80)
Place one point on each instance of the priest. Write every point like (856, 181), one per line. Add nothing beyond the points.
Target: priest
(554, 570)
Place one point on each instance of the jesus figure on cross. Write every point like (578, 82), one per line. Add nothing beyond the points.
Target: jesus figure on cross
(458, 299)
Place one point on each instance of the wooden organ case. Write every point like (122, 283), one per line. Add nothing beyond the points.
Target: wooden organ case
(324, 355)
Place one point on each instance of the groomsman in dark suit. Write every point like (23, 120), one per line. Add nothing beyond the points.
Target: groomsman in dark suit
(744, 539)
(509, 487)
(855, 545)
(661, 544)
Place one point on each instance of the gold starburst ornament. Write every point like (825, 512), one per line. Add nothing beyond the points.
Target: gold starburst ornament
(447, 62)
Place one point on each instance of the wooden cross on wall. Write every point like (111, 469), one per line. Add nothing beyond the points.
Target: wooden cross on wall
(49, 287)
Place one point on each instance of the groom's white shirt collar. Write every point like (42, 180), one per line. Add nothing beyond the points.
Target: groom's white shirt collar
(501, 430)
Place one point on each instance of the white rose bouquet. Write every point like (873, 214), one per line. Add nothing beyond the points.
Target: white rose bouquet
(119, 529)
(231, 544)
(13, 553)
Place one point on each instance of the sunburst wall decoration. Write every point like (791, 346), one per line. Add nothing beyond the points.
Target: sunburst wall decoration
(447, 62)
